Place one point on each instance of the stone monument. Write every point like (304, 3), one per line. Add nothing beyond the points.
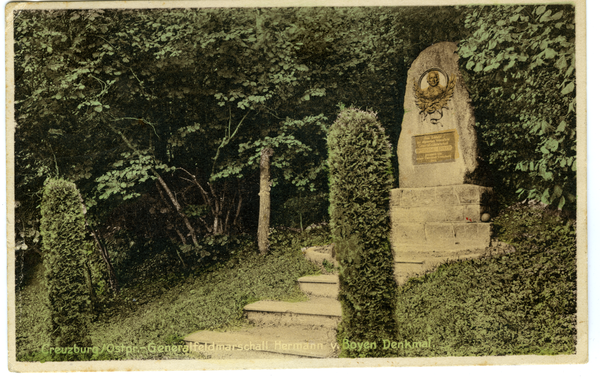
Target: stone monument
(439, 206)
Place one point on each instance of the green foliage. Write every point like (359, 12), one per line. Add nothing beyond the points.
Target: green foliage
(32, 313)
(299, 211)
(168, 307)
(520, 62)
(86, 98)
(299, 153)
(66, 252)
(519, 303)
(138, 259)
(129, 172)
(328, 266)
(282, 239)
(361, 177)
(223, 84)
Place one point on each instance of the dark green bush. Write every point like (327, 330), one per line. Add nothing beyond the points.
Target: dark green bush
(360, 183)
(66, 252)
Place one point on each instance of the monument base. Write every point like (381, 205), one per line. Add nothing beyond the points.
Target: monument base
(442, 218)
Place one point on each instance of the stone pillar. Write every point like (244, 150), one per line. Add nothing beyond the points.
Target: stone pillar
(437, 210)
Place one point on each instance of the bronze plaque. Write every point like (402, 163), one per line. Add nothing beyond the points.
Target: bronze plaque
(435, 147)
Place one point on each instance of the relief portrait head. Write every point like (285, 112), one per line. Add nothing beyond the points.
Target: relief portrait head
(432, 92)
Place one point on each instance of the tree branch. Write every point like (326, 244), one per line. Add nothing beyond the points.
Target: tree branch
(164, 186)
(226, 141)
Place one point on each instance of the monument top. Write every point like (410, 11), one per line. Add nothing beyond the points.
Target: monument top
(438, 143)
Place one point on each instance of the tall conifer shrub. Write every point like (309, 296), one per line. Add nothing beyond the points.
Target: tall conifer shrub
(360, 184)
(65, 253)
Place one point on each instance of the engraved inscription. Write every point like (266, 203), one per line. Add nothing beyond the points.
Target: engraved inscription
(435, 147)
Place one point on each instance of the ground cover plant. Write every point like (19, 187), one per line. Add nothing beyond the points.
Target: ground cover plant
(518, 303)
(165, 156)
(163, 310)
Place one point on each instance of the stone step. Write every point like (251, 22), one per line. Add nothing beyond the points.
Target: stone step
(404, 270)
(320, 285)
(264, 343)
(317, 254)
(411, 264)
(316, 312)
(407, 268)
(451, 195)
(440, 236)
(456, 213)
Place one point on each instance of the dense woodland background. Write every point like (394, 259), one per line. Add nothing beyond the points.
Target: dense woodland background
(159, 115)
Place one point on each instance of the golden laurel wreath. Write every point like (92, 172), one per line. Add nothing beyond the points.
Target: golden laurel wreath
(433, 98)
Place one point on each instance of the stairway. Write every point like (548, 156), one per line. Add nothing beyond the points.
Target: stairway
(281, 330)
(307, 329)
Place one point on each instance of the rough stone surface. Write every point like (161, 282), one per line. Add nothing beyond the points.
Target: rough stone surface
(439, 236)
(442, 108)
(440, 218)
(411, 197)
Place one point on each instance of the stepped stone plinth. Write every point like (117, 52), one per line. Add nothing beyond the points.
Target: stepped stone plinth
(443, 218)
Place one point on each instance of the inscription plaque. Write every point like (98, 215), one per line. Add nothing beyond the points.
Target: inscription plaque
(435, 147)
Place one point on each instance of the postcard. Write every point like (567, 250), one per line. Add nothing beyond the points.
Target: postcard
(226, 185)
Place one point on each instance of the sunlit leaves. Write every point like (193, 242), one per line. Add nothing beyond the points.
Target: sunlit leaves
(522, 62)
(128, 173)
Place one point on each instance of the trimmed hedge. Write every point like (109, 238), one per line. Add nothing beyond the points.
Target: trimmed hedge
(360, 184)
(65, 253)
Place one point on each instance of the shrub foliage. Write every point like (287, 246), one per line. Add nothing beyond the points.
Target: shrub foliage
(65, 252)
(520, 61)
(519, 303)
(361, 179)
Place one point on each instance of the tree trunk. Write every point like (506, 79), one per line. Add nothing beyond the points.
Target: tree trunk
(223, 204)
(177, 207)
(264, 213)
(112, 278)
(164, 186)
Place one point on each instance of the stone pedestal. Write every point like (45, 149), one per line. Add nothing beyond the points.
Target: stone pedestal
(436, 212)
(442, 218)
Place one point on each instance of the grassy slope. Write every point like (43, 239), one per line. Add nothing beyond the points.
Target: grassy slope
(30, 313)
(212, 301)
(519, 303)
(164, 310)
